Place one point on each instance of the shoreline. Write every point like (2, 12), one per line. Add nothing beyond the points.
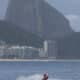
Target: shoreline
(39, 60)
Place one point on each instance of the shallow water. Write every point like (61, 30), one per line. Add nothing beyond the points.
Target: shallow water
(30, 70)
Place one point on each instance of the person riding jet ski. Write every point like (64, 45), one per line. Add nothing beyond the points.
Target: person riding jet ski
(45, 76)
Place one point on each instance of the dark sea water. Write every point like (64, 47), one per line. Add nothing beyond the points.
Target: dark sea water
(32, 70)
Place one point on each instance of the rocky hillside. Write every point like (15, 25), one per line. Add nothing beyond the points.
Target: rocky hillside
(39, 17)
(13, 34)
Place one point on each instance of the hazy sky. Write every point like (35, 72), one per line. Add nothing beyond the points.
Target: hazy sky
(70, 8)
(3, 6)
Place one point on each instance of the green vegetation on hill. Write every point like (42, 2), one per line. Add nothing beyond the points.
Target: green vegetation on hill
(15, 35)
(69, 46)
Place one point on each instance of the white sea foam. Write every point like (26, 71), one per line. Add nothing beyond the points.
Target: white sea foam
(33, 77)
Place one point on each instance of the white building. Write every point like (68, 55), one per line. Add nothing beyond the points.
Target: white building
(19, 52)
(49, 50)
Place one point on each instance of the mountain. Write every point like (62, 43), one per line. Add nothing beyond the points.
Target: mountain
(39, 17)
(14, 35)
(69, 46)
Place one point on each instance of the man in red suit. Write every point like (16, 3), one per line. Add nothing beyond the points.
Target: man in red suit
(45, 76)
